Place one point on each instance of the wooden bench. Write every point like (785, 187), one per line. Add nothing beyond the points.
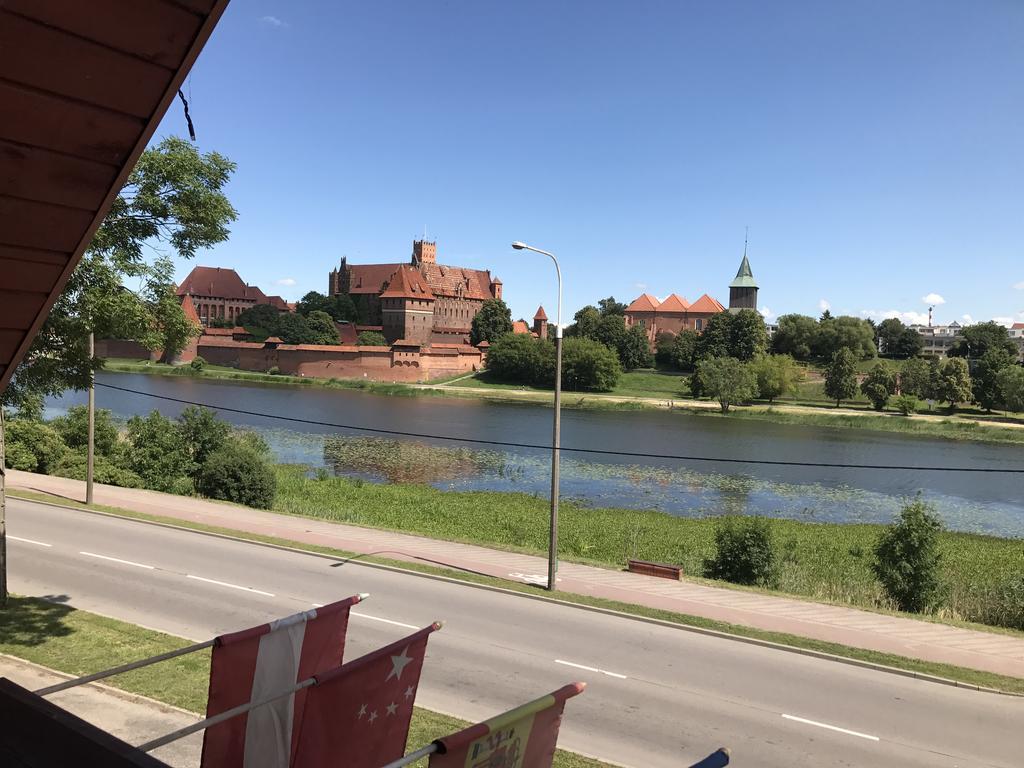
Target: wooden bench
(660, 570)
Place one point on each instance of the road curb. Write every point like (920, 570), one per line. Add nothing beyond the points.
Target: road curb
(356, 559)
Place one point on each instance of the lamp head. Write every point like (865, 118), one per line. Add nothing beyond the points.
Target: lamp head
(518, 245)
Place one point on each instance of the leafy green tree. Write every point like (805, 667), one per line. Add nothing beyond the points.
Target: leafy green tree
(844, 332)
(589, 365)
(1011, 385)
(340, 306)
(36, 439)
(906, 404)
(105, 470)
(313, 302)
(73, 428)
(716, 338)
(262, 316)
(795, 336)
(611, 331)
(293, 328)
(493, 321)
(914, 377)
(684, 350)
(776, 375)
(610, 306)
(727, 380)
(887, 336)
(748, 336)
(879, 385)
(635, 349)
(585, 323)
(517, 357)
(952, 383)
(202, 432)
(841, 376)
(172, 328)
(174, 197)
(975, 340)
(744, 552)
(371, 339)
(907, 558)
(909, 344)
(237, 473)
(158, 452)
(322, 328)
(985, 379)
(663, 343)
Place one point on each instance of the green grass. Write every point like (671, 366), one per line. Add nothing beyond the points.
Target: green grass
(670, 385)
(79, 643)
(947, 671)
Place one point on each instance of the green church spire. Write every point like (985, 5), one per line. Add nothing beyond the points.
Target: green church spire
(744, 277)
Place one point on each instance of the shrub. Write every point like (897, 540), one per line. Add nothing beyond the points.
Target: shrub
(18, 456)
(237, 473)
(879, 385)
(202, 432)
(371, 339)
(906, 404)
(743, 552)
(907, 558)
(589, 365)
(104, 470)
(726, 380)
(39, 439)
(274, 370)
(197, 363)
(519, 357)
(158, 452)
(73, 428)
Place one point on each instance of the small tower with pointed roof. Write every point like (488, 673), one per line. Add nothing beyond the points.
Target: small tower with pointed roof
(743, 289)
(540, 323)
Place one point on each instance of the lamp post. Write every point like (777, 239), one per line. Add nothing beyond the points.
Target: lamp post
(556, 432)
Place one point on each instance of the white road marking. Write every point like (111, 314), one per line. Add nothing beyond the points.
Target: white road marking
(118, 560)
(386, 621)
(29, 541)
(867, 736)
(232, 586)
(591, 669)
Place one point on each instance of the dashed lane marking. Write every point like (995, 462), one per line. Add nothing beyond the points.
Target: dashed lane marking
(591, 669)
(229, 585)
(859, 735)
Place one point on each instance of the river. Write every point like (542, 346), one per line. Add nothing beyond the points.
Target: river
(981, 503)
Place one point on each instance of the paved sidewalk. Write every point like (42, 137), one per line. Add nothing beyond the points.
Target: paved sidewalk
(1002, 654)
(132, 718)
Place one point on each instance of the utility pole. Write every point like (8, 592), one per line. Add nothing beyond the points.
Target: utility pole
(91, 452)
(3, 516)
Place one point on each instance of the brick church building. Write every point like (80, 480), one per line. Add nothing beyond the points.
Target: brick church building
(421, 301)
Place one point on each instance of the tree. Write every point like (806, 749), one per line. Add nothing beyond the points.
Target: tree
(914, 378)
(748, 336)
(635, 349)
(744, 553)
(610, 306)
(588, 365)
(371, 339)
(73, 428)
(493, 321)
(795, 336)
(985, 379)
(952, 382)
(321, 327)
(844, 332)
(887, 335)
(663, 343)
(907, 558)
(909, 344)
(174, 196)
(975, 340)
(879, 385)
(237, 473)
(158, 452)
(727, 380)
(173, 329)
(202, 432)
(716, 338)
(313, 302)
(36, 446)
(293, 328)
(611, 331)
(684, 349)
(262, 317)
(1011, 385)
(585, 323)
(775, 375)
(517, 357)
(841, 376)
(340, 306)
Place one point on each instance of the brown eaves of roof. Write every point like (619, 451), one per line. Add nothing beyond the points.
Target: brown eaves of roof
(84, 87)
(370, 278)
(541, 315)
(643, 303)
(219, 282)
(408, 283)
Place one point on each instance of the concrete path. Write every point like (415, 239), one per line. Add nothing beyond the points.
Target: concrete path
(132, 718)
(1001, 654)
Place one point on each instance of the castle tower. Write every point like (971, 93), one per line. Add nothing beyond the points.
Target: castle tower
(540, 323)
(407, 307)
(743, 289)
(424, 252)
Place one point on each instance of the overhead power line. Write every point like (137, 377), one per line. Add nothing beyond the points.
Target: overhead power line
(542, 447)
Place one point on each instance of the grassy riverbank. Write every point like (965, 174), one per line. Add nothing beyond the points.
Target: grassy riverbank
(827, 562)
(79, 643)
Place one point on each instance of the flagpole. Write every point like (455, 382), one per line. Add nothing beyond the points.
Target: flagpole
(227, 714)
(412, 757)
(123, 668)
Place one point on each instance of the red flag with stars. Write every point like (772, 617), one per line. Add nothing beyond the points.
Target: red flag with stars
(358, 714)
(524, 737)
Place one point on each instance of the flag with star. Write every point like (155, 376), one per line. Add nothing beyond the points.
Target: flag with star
(524, 737)
(358, 714)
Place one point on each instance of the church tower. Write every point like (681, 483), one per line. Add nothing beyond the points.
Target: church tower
(743, 289)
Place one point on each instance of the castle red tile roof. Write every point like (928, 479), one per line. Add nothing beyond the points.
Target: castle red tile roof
(370, 278)
(520, 326)
(274, 340)
(674, 303)
(225, 343)
(1017, 327)
(218, 331)
(540, 313)
(408, 283)
(706, 304)
(643, 303)
(448, 281)
(189, 309)
(218, 282)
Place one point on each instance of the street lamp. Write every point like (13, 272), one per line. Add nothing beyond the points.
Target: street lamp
(556, 435)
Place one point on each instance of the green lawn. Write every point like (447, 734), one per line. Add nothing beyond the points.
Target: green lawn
(79, 643)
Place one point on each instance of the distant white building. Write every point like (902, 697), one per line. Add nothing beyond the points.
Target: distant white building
(938, 338)
(1017, 335)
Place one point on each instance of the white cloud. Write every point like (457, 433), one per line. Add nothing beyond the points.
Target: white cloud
(1007, 321)
(1019, 286)
(272, 21)
(967, 318)
(285, 281)
(824, 305)
(640, 286)
(933, 298)
(766, 313)
(910, 318)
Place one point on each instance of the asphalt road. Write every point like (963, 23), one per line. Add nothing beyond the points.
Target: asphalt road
(657, 696)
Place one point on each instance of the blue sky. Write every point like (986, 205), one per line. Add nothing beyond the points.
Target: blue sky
(875, 149)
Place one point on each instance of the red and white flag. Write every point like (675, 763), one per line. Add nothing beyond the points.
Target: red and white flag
(257, 663)
(358, 716)
(524, 737)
